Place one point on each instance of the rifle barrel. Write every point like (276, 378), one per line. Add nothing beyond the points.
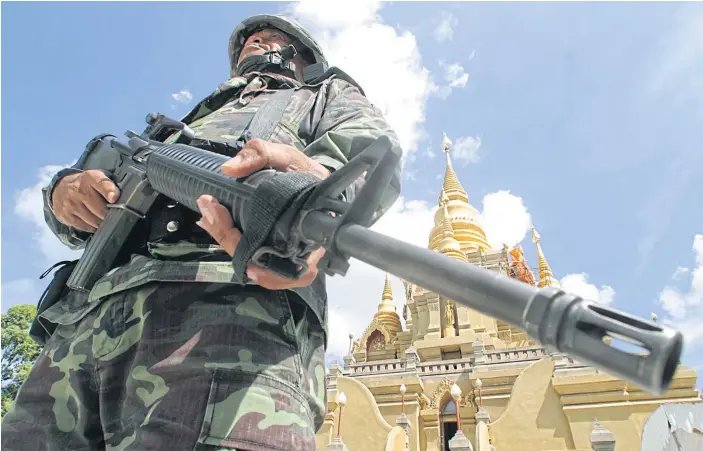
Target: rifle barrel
(556, 319)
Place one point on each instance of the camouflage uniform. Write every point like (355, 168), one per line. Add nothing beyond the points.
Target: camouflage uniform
(166, 352)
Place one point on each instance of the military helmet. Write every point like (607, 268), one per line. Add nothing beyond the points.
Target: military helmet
(292, 28)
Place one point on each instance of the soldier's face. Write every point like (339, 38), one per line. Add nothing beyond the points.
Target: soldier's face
(264, 41)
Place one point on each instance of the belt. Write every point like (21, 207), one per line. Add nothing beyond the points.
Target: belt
(171, 222)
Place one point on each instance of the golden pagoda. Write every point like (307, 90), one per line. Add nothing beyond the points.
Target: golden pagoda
(375, 342)
(454, 369)
(464, 218)
(386, 313)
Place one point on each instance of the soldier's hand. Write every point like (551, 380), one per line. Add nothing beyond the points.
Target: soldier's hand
(258, 154)
(217, 220)
(80, 200)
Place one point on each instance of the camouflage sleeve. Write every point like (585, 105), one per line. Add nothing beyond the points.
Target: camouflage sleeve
(94, 157)
(349, 123)
(73, 238)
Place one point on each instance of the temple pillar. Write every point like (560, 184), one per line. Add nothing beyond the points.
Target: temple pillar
(404, 422)
(435, 323)
(601, 438)
(479, 352)
(483, 440)
(348, 361)
(463, 320)
(460, 443)
(430, 418)
(337, 445)
(423, 319)
(411, 359)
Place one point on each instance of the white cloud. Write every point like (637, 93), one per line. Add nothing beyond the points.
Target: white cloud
(354, 298)
(578, 284)
(443, 92)
(680, 272)
(30, 207)
(183, 96)
(445, 28)
(505, 219)
(332, 14)
(456, 77)
(347, 33)
(684, 308)
(466, 149)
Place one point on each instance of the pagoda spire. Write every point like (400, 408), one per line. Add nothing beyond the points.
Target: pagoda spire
(546, 278)
(386, 313)
(452, 187)
(387, 296)
(463, 218)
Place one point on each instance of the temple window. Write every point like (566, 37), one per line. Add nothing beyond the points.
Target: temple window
(376, 341)
(449, 408)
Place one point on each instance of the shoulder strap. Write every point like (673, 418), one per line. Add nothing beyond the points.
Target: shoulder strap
(335, 72)
(269, 115)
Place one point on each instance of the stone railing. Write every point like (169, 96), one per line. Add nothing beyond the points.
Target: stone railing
(382, 366)
(444, 366)
(514, 355)
(489, 357)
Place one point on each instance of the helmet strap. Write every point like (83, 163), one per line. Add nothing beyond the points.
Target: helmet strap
(274, 62)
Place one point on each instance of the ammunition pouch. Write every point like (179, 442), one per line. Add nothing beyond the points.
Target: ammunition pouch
(41, 329)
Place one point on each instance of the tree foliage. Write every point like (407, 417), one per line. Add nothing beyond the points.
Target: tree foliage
(19, 351)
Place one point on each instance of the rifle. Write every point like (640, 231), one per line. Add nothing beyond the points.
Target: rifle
(285, 216)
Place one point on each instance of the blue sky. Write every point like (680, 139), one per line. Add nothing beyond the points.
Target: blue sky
(588, 113)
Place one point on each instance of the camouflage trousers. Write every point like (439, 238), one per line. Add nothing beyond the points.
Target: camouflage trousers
(177, 366)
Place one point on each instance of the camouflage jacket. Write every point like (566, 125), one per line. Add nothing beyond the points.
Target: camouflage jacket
(331, 122)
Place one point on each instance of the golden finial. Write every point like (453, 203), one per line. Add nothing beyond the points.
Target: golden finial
(545, 272)
(387, 292)
(446, 143)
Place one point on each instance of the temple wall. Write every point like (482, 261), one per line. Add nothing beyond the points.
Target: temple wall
(396, 440)
(534, 419)
(365, 427)
(620, 408)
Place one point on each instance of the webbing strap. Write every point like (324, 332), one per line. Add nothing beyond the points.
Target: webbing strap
(269, 115)
(270, 200)
(275, 194)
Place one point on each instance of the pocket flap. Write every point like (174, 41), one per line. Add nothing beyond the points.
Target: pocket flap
(256, 412)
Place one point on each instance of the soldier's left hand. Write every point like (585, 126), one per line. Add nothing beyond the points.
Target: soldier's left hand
(217, 220)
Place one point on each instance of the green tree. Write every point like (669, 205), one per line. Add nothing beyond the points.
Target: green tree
(19, 351)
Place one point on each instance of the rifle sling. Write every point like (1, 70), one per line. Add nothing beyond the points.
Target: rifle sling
(272, 197)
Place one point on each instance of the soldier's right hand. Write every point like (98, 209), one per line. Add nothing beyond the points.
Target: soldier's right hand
(80, 200)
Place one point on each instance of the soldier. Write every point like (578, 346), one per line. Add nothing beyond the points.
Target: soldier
(167, 352)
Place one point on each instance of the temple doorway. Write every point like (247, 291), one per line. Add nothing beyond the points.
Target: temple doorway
(448, 424)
